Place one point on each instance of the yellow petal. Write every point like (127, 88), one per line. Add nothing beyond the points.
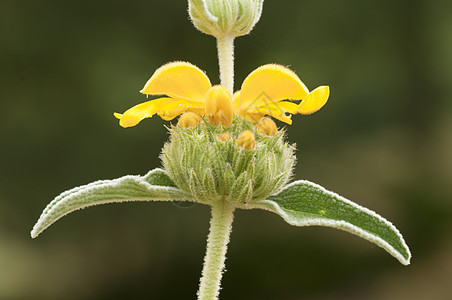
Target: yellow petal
(271, 83)
(253, 117)
(167, 109)
(135, 114)
(168, 115)
(178, 80)
(287, 106)
(314, 101)
(170, 110)
(276, 110)
(282, 117)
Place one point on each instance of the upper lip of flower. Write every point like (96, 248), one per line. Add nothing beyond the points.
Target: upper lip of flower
(265, 91)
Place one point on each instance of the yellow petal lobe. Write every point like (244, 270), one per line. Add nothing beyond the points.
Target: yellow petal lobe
(287, 106)
(166, 108)
(178, 80)
(135, 114)
(171, 109)
(274, 110)
(271, 83)
(314, 101)
(282, 117)
(243, 113)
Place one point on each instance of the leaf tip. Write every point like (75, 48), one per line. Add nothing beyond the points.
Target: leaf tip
(34, 233)
(406, 261)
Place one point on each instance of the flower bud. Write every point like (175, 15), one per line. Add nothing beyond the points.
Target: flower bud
(266, 126)
(225, 17)
(189, 120)
(246, 140)
(218, 104)
(223, 137)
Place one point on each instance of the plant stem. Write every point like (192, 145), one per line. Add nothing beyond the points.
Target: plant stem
(217, 241)
(222, 211)
(225, 46)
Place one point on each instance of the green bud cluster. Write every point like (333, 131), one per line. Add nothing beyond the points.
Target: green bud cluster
(213, 169)
(221, 17)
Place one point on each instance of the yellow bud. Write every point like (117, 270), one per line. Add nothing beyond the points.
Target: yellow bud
(189, 120)
(266, 126)
(218, 105)
(246, 140)
(223, 137)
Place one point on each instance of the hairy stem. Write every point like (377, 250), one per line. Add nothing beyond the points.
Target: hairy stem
(217, 241)
(225, 46)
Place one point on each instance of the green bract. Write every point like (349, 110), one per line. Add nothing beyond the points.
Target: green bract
(212, 170)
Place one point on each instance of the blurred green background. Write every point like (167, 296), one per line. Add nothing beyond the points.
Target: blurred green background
(383, 141)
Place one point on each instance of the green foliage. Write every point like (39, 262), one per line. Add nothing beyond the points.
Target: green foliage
(303, 203)
(154, 186)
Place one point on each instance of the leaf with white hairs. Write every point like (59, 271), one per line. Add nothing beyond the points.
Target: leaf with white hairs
(154, 186)
(303, 203)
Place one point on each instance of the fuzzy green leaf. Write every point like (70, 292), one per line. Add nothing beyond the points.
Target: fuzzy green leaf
(303, 203)
(154, 186)
(158, 177)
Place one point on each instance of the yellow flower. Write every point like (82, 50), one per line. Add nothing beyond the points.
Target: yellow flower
(264, 90)
(188, 89)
